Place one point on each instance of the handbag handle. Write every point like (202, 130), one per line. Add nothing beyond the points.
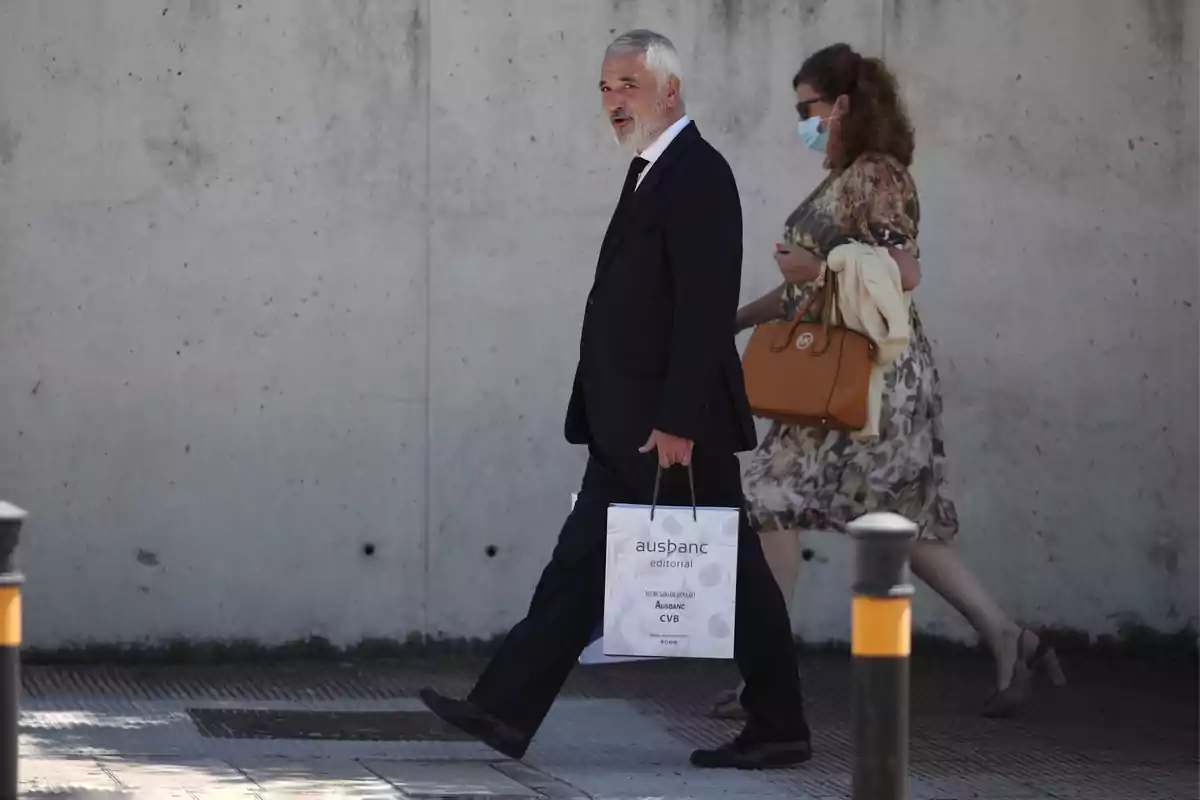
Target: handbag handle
(829, 288)
(658, 482)
(785, 342)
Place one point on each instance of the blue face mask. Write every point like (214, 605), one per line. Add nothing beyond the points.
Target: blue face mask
(811, 134)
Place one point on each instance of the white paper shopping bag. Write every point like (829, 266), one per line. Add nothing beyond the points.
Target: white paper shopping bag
(670, 585)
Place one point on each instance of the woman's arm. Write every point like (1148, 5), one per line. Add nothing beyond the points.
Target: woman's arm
(883, 203)
(767, 308)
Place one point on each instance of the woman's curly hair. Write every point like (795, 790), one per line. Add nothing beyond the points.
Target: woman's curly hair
(876, 120)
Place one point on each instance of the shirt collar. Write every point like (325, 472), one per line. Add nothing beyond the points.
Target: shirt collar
(659, 146)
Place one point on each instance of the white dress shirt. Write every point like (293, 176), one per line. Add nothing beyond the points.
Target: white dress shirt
(659, 145)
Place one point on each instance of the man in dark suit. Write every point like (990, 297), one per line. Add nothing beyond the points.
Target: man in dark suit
(659, 384)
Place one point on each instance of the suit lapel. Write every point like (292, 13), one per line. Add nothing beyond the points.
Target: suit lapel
(624, 217)
(611, 236)
(645, 193)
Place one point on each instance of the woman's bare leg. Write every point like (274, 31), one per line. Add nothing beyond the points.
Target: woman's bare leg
(782, 549)
(939, 566)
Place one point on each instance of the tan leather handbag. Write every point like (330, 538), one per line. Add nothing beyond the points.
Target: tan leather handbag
(810, 374)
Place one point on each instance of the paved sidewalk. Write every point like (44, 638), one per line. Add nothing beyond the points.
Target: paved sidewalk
(1124, 729)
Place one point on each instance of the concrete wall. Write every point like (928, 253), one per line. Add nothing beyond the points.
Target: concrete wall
(284, 282)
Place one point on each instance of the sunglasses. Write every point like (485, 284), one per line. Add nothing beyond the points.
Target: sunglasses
(803, 108)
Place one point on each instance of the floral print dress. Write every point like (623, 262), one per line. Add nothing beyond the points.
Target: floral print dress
(815, 478)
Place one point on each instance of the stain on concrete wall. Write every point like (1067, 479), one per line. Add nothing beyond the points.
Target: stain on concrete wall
(176, 150)
(1168, 24)
(10, 137)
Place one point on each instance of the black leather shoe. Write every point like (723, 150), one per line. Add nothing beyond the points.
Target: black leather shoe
(745, 753)
(474, 721)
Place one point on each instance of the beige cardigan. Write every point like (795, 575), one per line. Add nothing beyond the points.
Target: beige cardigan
(872, 301)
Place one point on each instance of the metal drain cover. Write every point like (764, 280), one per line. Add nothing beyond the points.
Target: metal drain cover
(347, 726)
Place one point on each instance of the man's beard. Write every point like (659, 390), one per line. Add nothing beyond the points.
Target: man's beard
(646, 128)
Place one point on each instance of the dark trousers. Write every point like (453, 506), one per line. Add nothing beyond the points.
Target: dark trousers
(522, 680)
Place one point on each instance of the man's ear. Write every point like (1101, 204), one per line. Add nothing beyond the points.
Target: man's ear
(673, 86)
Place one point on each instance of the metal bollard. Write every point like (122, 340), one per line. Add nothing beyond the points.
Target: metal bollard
(881, 643)
(11, 519)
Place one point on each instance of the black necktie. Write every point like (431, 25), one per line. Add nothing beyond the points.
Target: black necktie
(635, 169)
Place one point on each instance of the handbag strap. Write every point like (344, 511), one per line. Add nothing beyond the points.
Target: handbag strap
(658, 482)
(828, 294)
(830, 306)
(785, 342)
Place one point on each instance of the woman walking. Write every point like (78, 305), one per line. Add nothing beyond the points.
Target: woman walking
(819, 479)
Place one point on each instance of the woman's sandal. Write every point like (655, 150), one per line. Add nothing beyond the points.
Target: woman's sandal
(1005, 703)
(727, 705)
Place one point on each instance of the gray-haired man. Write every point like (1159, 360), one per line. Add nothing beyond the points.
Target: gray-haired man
(659, 384)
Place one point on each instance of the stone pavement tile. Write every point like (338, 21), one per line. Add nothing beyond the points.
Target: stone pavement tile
(81, 794)
(819, 785)
(1181, 783)
(970, 783)
(281, 778)
(41, 774)
(166, 776)
(96, 728)
(621, 749)
(549, 787)
(1111, 782)
(673, 782)
(158, 729)
(432, 780)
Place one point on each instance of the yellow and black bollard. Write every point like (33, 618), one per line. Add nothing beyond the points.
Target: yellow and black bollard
(881, 643)
(11, 519)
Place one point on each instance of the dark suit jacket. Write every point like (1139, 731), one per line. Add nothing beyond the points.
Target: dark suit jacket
(657, 348)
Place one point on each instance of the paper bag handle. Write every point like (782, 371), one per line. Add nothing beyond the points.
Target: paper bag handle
(691, 485)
